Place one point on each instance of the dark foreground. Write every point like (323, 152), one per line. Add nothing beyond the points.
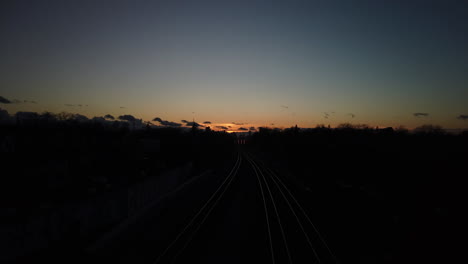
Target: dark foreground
(294, 196)
(252, 218)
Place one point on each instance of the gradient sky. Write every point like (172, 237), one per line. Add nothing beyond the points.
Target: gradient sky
(255, 62)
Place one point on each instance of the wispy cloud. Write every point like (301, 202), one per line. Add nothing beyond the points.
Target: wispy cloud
(3, 100)
(73, 105)
(193, 124)
(421, 114)
(462, 117)
(167, 123)
(188, 123)
(284, 106)
(122, 107)
(326, 115)
(252, 129)
(222, 127)
(242, 129)
(207, 122)
(238, 124)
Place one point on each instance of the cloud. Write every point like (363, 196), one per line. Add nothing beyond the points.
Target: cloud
(326, 115)
(252, 129)
(284, 106)
(462, 117)
(238, 124)
(242, 129)
(3, 100)
(222, 127)
(109, 117)
(207, 122)
(68, 105)
(166, 123)
(421, 114)
(172, 124)
(129, 118)
(122, 107)
(352, 115)
(187, 123)
(193, 124)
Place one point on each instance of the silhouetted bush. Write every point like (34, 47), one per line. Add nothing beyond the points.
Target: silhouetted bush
(429, 129)
(48, 158)
(368, 187)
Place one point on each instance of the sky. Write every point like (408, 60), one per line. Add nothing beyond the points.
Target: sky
(260, 63)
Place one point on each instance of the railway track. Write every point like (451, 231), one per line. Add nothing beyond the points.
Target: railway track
(290, 235)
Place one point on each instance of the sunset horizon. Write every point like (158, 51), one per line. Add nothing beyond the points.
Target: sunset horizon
(253, 62)
(328, 119)
(233, 131)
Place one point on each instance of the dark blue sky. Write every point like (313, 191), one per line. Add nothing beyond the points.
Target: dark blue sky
(228, 61)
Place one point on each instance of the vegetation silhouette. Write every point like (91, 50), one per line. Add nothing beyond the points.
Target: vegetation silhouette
(382, 195)
(52, 163)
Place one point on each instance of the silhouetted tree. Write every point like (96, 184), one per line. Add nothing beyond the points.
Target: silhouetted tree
(429, 129)
(194, 128)
(401, 130)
